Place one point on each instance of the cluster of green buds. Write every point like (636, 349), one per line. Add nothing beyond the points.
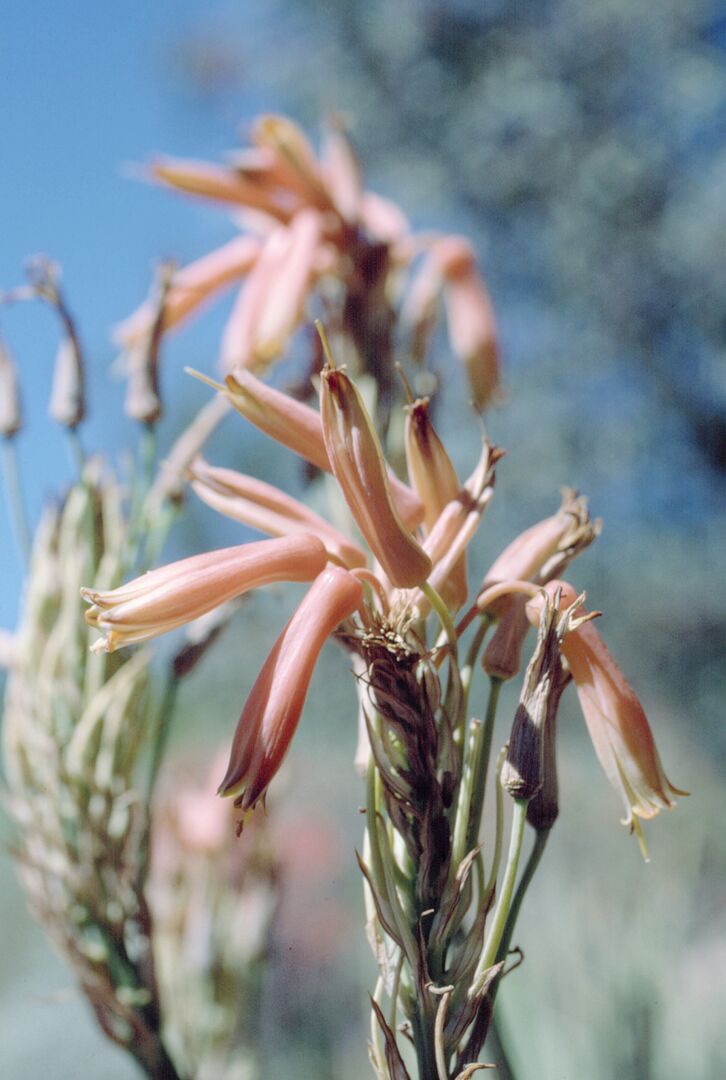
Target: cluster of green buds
(75, 726)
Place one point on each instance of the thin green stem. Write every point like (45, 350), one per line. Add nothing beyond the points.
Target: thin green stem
(447, 623)
(14, 497)
(481, 753)
(530, 869)
(78, 457)
(504, 900)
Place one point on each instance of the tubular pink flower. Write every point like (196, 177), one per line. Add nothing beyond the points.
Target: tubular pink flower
(191, 287)
(342, 173)
(263, 506)
(296, 157)
(543, 550)
(283, 303)
(614, 716)
(356, 459)
(173, 595)
(434, 478)
(299, 428)
(470, 316)
(272, 712)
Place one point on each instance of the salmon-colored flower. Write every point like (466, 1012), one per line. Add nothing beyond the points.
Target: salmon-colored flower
(176, 594)
(218, 183)
(191, 287)
(434, 478)
(272, 300)
(272, 712)
(262, 506)
(614, 716)
(356, 458)
(454, 530)
(299, 428)
(544, 550)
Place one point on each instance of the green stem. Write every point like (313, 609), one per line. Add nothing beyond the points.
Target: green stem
(481, 752)
(528, 873)
(78, 457)
(447, 623)
(504, 901)
(13, 495)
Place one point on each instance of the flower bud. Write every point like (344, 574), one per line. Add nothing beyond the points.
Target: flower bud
(356, 459)
(67, 401)
(10, 413)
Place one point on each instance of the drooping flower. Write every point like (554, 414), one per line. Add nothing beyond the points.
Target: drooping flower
(272, 711)
(614, 716)
(163, 599)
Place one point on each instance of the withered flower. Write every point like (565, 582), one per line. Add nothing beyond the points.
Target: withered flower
(614, 716)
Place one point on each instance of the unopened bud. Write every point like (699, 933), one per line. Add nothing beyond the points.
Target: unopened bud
(68, 401)
(10, 414)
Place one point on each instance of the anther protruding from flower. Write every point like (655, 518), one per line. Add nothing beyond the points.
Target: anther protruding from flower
(163, 599)
(11, 418)
(263, 506)
(356, 459)
(614, 716)
(544, 550)
(272, 711)
(523, 772)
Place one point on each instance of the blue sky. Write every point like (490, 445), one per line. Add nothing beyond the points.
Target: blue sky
(88, 89)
